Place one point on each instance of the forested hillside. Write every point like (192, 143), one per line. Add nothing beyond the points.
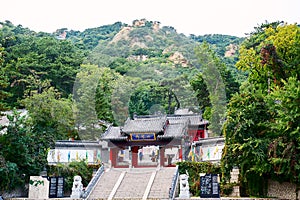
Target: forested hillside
(33, 62)
(73, 84)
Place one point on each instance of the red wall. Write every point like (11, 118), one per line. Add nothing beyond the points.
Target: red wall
(196, 134)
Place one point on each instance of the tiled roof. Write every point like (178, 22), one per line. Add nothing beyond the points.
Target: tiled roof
(76, 143)
(113, 133)
(194, 119)
(141, 125)
(178, 120)
(175, 130)
(177, 127)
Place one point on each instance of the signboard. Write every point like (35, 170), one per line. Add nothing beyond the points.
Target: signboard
(60, 187)
(56, 189)
(209, 186)
(142, 136)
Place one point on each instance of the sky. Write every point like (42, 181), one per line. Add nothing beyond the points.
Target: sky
(198, 17)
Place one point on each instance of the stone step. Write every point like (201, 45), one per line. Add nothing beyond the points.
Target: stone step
(133, 185)
(162, 183)
(105, 184)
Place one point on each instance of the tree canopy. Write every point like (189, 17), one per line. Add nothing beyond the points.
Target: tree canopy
(262, 126)
(74, 84)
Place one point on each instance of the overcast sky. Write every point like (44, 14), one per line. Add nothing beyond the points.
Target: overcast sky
(199, 17)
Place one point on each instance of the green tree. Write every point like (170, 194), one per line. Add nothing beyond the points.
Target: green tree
(201, 91)
(30, 54)
(51, 116)
(246, 124)
(3, 84)
(284, 148)
(262, 127)
(84, 98)
(272, 55)
(22, 153)
(151, 98)
(120, 98)
(215, 84)
(103, 98)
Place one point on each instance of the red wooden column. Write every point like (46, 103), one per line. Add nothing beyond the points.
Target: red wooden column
(113, 156)
(162, 156)
(134, 156)
(180, 153)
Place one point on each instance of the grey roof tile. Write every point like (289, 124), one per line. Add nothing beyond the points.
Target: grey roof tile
(141, 125)
(175, 130)
(178, 125)
(194, 119)
(113, 133)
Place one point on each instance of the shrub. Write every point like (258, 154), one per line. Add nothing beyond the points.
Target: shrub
(69, 170)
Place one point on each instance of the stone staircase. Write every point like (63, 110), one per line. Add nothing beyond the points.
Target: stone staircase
(138, 183)
(162, 183)
(133, 185)
(105, 185)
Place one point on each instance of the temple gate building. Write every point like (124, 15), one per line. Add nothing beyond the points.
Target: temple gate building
(151, 141)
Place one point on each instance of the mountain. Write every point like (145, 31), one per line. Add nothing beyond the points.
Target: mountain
(33, 61)
(145, 39)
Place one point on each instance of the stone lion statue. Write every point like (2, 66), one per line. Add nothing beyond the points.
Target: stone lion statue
(184, 186)
(77, 187)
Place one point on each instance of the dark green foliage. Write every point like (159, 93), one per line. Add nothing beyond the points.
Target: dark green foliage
(29, 57)
(262, 127)
(259, 34)
(50, 115)
(201, 91)
(121, 65)
(89, 38)
(10, 177)
(220, 85)
(104, 90)
(220, 42)
(226, 189)
(284, 148)
(69, 170)
(3, 94)
(248, 144)
(25, 145)
(23, 153)
(151, 98)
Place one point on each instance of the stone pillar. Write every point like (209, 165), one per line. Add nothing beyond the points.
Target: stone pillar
(38, 187)
(234, 178)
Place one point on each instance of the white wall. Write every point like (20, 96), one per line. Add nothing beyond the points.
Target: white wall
(69, 155)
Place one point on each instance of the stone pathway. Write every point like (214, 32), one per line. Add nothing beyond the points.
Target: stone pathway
(105, 184)
(162, 183)
(133, 185)
(138, 183)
